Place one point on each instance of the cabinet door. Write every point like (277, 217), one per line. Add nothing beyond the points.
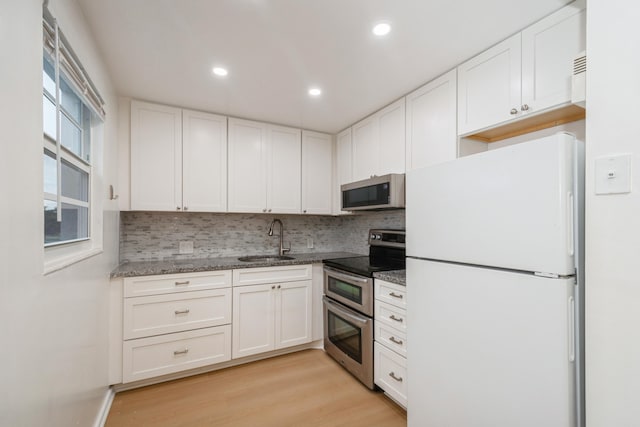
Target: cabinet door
(156, 157)
(293, 311)
(253, 320)
(431, 123)
(247, 174)
(283, 168)
(204, 162)
(317, 172)
(391, 139)
(365, 148)
(344, 167)
(489, 87)
(548, 48)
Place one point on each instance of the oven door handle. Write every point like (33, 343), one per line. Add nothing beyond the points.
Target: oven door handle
(346, 277)
(337, 308)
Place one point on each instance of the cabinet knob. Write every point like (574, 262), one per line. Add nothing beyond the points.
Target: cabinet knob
(177, 208)
(525, 107)
(273, 286)
(304, 211)
(269, 210)
(185, 208)
(278, 286)
(514, 111)
(264, 210)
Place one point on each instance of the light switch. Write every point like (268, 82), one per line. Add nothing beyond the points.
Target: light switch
(613, 174)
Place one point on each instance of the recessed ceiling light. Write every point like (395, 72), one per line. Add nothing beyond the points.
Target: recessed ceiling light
(381, 29)
(219, 71)
(314, 91)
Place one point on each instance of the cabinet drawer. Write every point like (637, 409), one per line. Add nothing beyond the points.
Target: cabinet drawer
(391, 338)
(391, 293)
(161, 314)
(390, 315)
(256, 276)
(166, 354)
(171, 283)
(390, 373)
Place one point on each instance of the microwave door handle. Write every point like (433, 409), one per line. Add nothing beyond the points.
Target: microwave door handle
(359, 321)
(345, 277)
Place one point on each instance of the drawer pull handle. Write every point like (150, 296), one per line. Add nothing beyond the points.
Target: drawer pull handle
(178, 352)
(397, 319)
(393, 375)
(393, 294)
(182, 311)
(395, 341)
(186, 282)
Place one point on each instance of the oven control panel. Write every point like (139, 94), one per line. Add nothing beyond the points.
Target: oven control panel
(392, 238)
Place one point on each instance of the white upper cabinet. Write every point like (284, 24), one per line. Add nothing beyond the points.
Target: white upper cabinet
(247, 166)
(284, 151)
(489, 87)
(317, 173)
(178, 159)
(548, 48)
(379, 143)
(344, 167)
(204, 162)
(528, 73)
(431, 123)
(264, 167)
(156, 157)
(391, 138)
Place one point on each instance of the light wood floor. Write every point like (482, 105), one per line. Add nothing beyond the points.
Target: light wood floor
(306, 389)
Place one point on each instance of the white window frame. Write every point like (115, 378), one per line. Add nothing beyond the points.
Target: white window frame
(58, 255)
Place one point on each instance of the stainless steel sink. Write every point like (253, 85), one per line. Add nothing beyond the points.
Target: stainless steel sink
(264, 258)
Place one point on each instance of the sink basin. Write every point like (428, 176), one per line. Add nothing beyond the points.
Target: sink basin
(265, 258)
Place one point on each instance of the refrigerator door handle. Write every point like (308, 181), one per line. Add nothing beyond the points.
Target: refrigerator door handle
(570, 224)
(572, 329)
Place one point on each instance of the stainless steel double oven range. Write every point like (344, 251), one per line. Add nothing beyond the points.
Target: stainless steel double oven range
(348, 301)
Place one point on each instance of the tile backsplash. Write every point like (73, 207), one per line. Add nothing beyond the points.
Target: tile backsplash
(148, 236)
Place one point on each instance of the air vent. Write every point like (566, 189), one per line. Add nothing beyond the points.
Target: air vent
(579, 80)
(580, 64)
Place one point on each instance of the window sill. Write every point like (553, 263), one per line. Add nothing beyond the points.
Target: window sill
(61, 263)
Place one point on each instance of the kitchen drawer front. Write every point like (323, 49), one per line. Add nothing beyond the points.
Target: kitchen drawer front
(390, 373)
(391, 315)
(172, 283)
(257, 276)
(162, 314)
(391, 293)
(392, 338)
(166, 354)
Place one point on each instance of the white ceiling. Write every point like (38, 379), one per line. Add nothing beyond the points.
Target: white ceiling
(164, 50)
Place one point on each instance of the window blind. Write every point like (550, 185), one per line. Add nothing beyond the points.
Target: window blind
(70, 64)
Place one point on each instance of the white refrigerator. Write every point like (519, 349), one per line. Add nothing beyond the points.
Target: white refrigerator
(495, 288)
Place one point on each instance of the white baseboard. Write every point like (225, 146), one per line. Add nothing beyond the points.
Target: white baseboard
(101, 418)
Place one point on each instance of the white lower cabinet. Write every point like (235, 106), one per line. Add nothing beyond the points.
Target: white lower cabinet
(171, 327)
(274, 314)
(390, 347)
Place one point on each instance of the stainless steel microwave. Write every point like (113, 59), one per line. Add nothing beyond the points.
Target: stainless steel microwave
(375, 193)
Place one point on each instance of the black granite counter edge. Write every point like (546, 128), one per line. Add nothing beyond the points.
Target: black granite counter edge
(395, 276)
(152, 268)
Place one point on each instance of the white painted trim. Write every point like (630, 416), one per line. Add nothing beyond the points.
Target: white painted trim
(103, 413)
(61, 263)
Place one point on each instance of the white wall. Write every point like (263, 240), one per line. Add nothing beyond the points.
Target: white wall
(613, 221)
(53, 360)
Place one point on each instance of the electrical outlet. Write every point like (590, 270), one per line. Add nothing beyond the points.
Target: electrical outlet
(309, 243)
(186, 247)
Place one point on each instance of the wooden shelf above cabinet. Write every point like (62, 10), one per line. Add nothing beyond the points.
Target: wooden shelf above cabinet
(566, 114)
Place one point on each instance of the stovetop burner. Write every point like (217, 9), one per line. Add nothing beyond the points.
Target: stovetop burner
(386, 252)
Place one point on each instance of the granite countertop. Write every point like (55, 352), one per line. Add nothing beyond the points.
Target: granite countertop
(172, 266)
(394, 276)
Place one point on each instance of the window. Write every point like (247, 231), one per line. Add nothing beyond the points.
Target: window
(74, 168)
(72, 148)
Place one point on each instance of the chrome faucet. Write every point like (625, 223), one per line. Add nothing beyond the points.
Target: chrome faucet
(282, 250)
